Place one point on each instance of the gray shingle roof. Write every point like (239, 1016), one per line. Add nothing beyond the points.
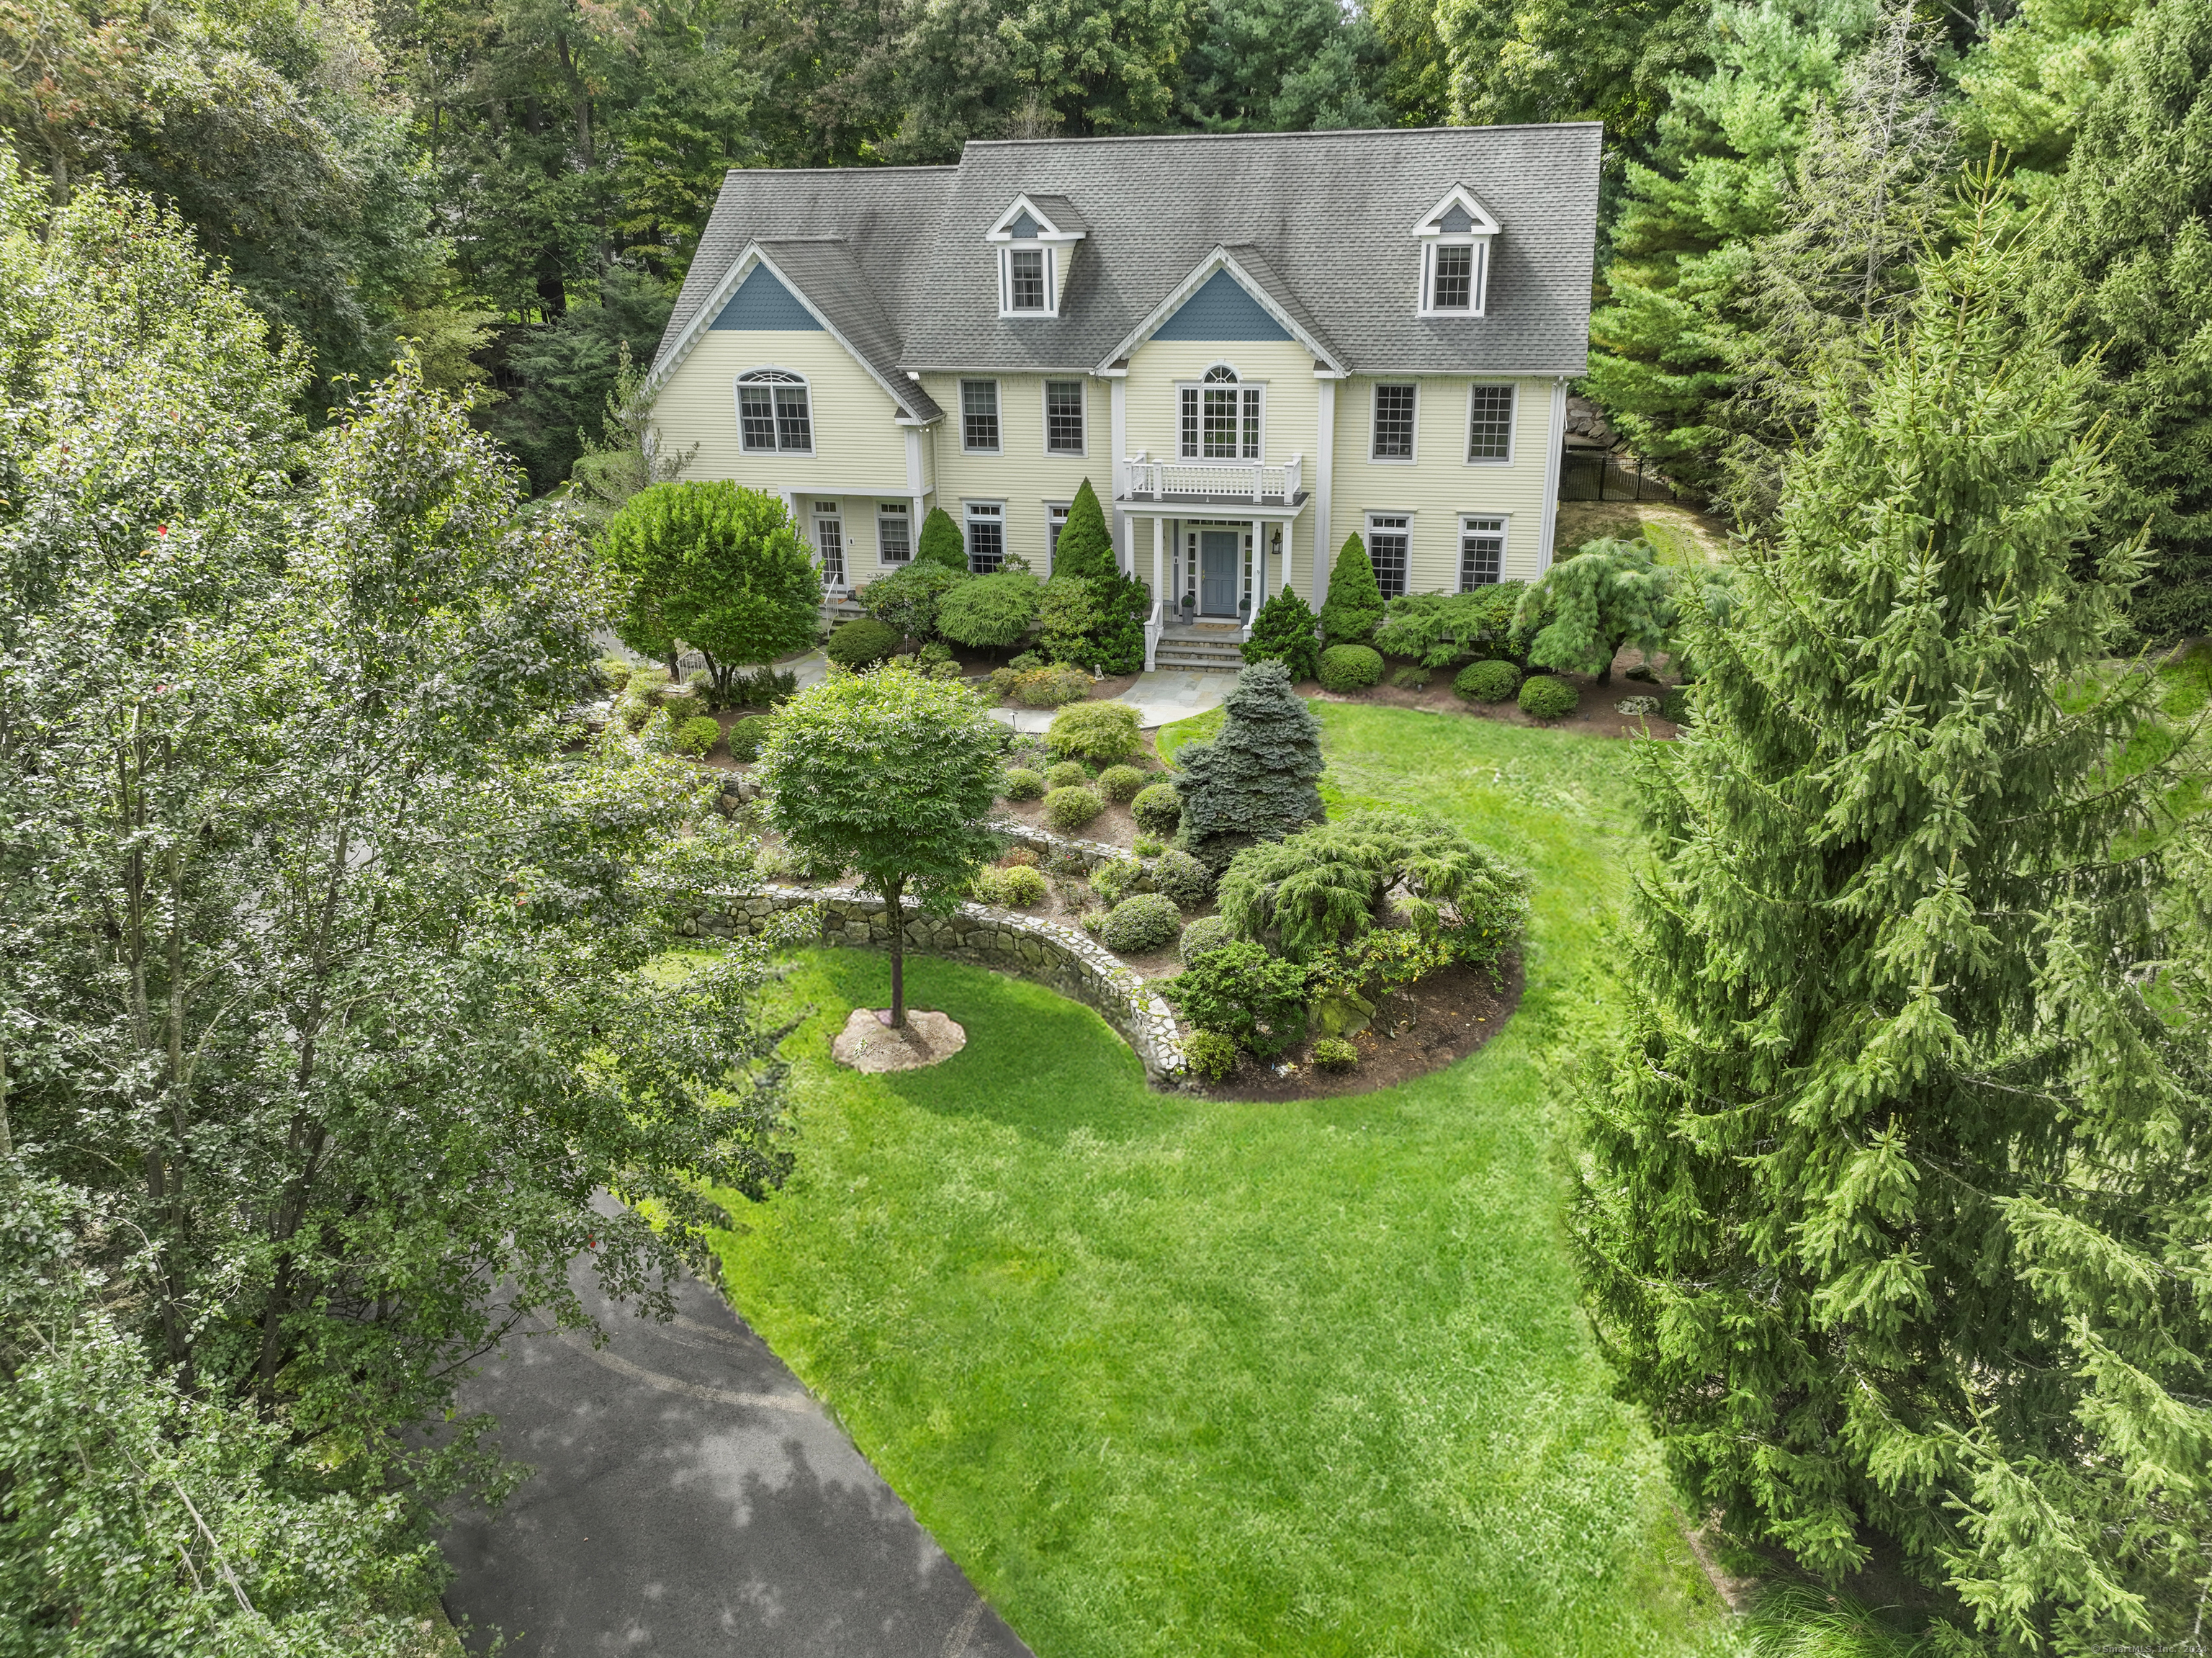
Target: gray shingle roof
(1322, 220)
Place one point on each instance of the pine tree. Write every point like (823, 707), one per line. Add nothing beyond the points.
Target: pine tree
(941, 542)
(1255, 781)
(2133, 234)
(1353, 609)
(1608, 595)
(1893, 1216)
(1283, 632)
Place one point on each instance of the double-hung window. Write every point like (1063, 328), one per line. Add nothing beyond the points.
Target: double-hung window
(894, 533)
(1221, 418)
(979, 416)
(1389, 542)
(1063, 417)
(986, 536)
(1055, 519)
(773, 416)
(1481, 551)
(1025, 279)
(1490, 423)
(1395, 407)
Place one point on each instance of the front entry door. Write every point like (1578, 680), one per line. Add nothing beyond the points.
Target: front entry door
(1220, 561)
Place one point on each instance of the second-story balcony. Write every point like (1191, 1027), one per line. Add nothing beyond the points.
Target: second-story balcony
(1212, 482)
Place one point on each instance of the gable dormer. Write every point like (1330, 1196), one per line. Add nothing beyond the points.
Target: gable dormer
(1454, 240)
(1036, 239)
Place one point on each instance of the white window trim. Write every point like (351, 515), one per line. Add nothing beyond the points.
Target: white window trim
(1044, 414)
(1051, 548)
(1478, 286)
(1504, 520)
(1202, 386)
(904, 513)
(968, 503)
(1051, 306)
(1512, 424)
(815, 519)
(1374, 399)
(998, 406)
(1413, 519)
(738, 405)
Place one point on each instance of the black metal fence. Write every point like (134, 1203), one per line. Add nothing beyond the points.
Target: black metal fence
(1609, 475)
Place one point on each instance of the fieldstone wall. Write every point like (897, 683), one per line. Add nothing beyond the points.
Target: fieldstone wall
(1090, 853)
(1061, 957)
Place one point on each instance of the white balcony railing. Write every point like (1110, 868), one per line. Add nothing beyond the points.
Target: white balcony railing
(1214, 480)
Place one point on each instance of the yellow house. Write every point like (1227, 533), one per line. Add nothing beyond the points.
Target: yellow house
(1253, 346)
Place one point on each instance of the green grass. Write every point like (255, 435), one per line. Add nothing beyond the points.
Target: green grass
(1172, 1376)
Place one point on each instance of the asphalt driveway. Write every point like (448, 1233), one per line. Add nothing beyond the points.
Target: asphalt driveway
(690, 1497)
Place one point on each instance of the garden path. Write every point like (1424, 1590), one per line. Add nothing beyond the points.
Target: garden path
(691, 1495)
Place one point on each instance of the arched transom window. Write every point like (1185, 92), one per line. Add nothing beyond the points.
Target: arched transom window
(773, 415)
(1221, 418)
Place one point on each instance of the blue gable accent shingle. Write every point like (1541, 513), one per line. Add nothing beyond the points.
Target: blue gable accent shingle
(1221, 309)
(763, 303)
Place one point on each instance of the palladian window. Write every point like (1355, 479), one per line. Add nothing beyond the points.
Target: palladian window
(773, 415)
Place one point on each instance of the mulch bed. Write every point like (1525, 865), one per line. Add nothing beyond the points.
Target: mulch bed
(1424, 1027)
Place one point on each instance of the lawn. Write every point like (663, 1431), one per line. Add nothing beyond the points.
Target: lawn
(1170, 1376)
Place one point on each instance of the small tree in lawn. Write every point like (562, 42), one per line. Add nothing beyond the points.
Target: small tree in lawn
(1585, 608)
(1353, 609)
(893, 775)
(941, 542)
(1255, 781)
(724, 569)
(1283, 632)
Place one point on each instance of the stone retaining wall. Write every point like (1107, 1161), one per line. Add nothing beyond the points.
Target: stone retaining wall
(1061, 957)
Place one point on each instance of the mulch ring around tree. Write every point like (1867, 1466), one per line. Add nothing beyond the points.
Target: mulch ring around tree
(1427, 1025)
(867, 1044)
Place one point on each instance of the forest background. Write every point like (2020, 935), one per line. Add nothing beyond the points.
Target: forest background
(517, 185)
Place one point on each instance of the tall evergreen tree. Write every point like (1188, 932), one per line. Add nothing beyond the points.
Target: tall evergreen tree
(1086, 545)
(2132, 232)
(1353, 609)
(1256, 781)
(1895, 1214)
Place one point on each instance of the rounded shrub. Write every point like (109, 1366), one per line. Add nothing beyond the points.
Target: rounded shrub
(1101, 732)
(1183, 879)
(1212, 1054)
(1071, 808)
(1141, 924)
(863, 642)
(1333, 1053)
(1015, 887)
(1350, 667)
(1121, 783)
(1548, 697)
(1021, 783)
(1065, 774)
(1158, 809)
(634, 712)
(746, 736)
(1206, 932)
(697, 736)
(614, 672)
(1488, 682)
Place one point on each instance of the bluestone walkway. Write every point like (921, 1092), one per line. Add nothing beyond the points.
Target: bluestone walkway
(691, 1498)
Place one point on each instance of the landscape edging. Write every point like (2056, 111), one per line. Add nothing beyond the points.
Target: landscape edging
(1062, 958)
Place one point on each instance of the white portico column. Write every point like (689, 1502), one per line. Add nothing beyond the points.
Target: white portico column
(1159, 552)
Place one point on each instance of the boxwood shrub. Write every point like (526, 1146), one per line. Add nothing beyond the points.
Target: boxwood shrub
(1183, 879)
(1021, 783)
(1015, 887)
(1206, 932)
(1350, 667)
(862, 643)
(747, 735)
(1335, 1054)
(1121, 783)
(1488, 682)
(1145, 922)
(1071, 808)
(1158, 809)
(1548, 697)
(1212, 1054)
(697, 736)
(1065, 774)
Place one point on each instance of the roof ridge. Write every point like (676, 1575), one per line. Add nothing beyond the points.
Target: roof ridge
(1226, 138)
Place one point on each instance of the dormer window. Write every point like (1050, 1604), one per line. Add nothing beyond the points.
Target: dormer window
(1034, 246)
(1454, 240)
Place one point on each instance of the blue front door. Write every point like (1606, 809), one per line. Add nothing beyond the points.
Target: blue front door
(1220, 560)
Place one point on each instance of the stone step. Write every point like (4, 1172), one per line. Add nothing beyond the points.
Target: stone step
(1175, 661)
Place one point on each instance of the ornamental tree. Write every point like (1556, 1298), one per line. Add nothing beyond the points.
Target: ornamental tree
(941, 542)
(1283, 632)
(1894, 1214)
(1256, 781)
(722, 567)
(1085, 547)
(1583, 609)
(893, 775)
(1353, 609)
